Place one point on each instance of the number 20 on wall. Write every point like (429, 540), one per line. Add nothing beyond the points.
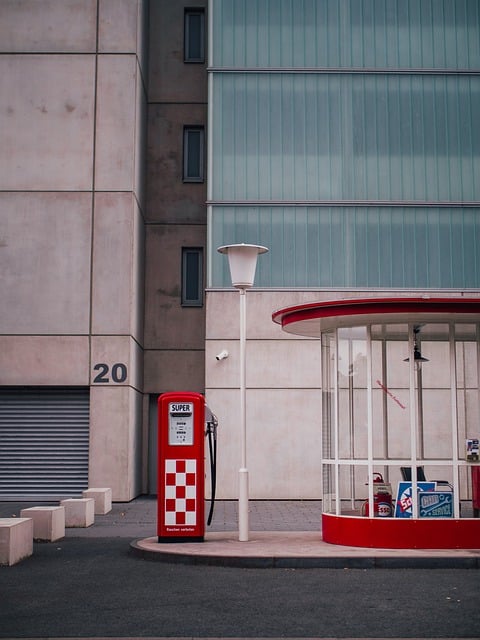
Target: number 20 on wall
(116, 373)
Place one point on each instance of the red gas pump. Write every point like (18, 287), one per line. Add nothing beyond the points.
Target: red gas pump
(181, 467)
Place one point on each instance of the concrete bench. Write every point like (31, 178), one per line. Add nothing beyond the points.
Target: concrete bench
(16, 540)
(79, 512)
(48, 522)
(102, 497)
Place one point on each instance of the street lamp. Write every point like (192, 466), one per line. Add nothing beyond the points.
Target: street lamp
(242, 259)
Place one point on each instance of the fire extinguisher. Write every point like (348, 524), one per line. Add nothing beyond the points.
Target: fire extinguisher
(382, 498)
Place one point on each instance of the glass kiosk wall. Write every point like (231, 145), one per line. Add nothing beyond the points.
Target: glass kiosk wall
(397, 398)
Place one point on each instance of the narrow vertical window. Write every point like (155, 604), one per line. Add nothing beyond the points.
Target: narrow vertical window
(194, 39)
(193, 154)
(192, 277)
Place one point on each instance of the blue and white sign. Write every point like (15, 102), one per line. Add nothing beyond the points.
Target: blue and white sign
(403, 504)
(436, 504)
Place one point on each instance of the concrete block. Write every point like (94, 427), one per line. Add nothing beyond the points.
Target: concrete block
(102, 498)
(79, 512)
(48, 522)
(16, 540)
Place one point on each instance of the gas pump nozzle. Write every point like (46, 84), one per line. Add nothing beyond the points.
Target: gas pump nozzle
(211, 424)
(211, 421)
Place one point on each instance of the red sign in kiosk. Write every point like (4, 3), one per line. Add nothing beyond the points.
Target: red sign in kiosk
(181, 467)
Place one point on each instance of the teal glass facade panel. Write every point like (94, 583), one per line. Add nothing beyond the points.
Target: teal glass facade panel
(346, 137)
(385, 34)
(384, 247)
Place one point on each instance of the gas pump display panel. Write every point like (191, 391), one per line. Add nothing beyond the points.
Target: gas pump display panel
(180, 423)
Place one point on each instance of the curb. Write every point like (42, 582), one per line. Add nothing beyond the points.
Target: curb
(312, 562)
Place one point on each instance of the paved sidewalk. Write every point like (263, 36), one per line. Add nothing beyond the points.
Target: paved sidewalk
(138, 518)
(282, 534)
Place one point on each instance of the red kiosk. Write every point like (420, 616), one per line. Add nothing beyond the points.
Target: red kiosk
(400, 389)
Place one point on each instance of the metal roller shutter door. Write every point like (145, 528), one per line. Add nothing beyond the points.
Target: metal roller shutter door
(44, 436)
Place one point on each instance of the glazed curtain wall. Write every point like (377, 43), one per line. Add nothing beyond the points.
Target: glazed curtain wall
(346, 33)
(354, 246)
(343, 135)
(346, 137)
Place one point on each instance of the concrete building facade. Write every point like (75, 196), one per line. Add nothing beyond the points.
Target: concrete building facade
(72, 209)
(138, 137)
(94, 215)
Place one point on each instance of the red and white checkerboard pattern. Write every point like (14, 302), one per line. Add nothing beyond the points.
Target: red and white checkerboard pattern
(180, 492)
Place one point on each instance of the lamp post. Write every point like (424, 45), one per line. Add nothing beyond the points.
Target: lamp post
(242, 259)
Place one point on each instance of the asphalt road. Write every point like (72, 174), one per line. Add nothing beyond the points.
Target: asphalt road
(94, 587)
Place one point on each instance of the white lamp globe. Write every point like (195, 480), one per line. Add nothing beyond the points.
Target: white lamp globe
(242, 259)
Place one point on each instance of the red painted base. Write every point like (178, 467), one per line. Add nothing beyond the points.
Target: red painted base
(399, 533)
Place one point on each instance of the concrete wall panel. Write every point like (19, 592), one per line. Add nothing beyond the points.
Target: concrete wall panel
(138, 276)
(118, 26)
(170, 79)
(140, 143)
(223, 312)
(168, 324)
(46, 122)
(169, 198)
(115, 251)
(44, 360)
(48, 26)
(283, 397)
(467, 365)
(434, 376)
(174, 370)
(469, 410)
(116, 118)
(283, 443)
(116, 360)
(143, 37)
(123, 28)
(45, 263)
(270, 364)
(115, 440)
(222, 374)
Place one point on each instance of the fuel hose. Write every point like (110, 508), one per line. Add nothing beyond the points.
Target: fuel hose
(212, 446)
